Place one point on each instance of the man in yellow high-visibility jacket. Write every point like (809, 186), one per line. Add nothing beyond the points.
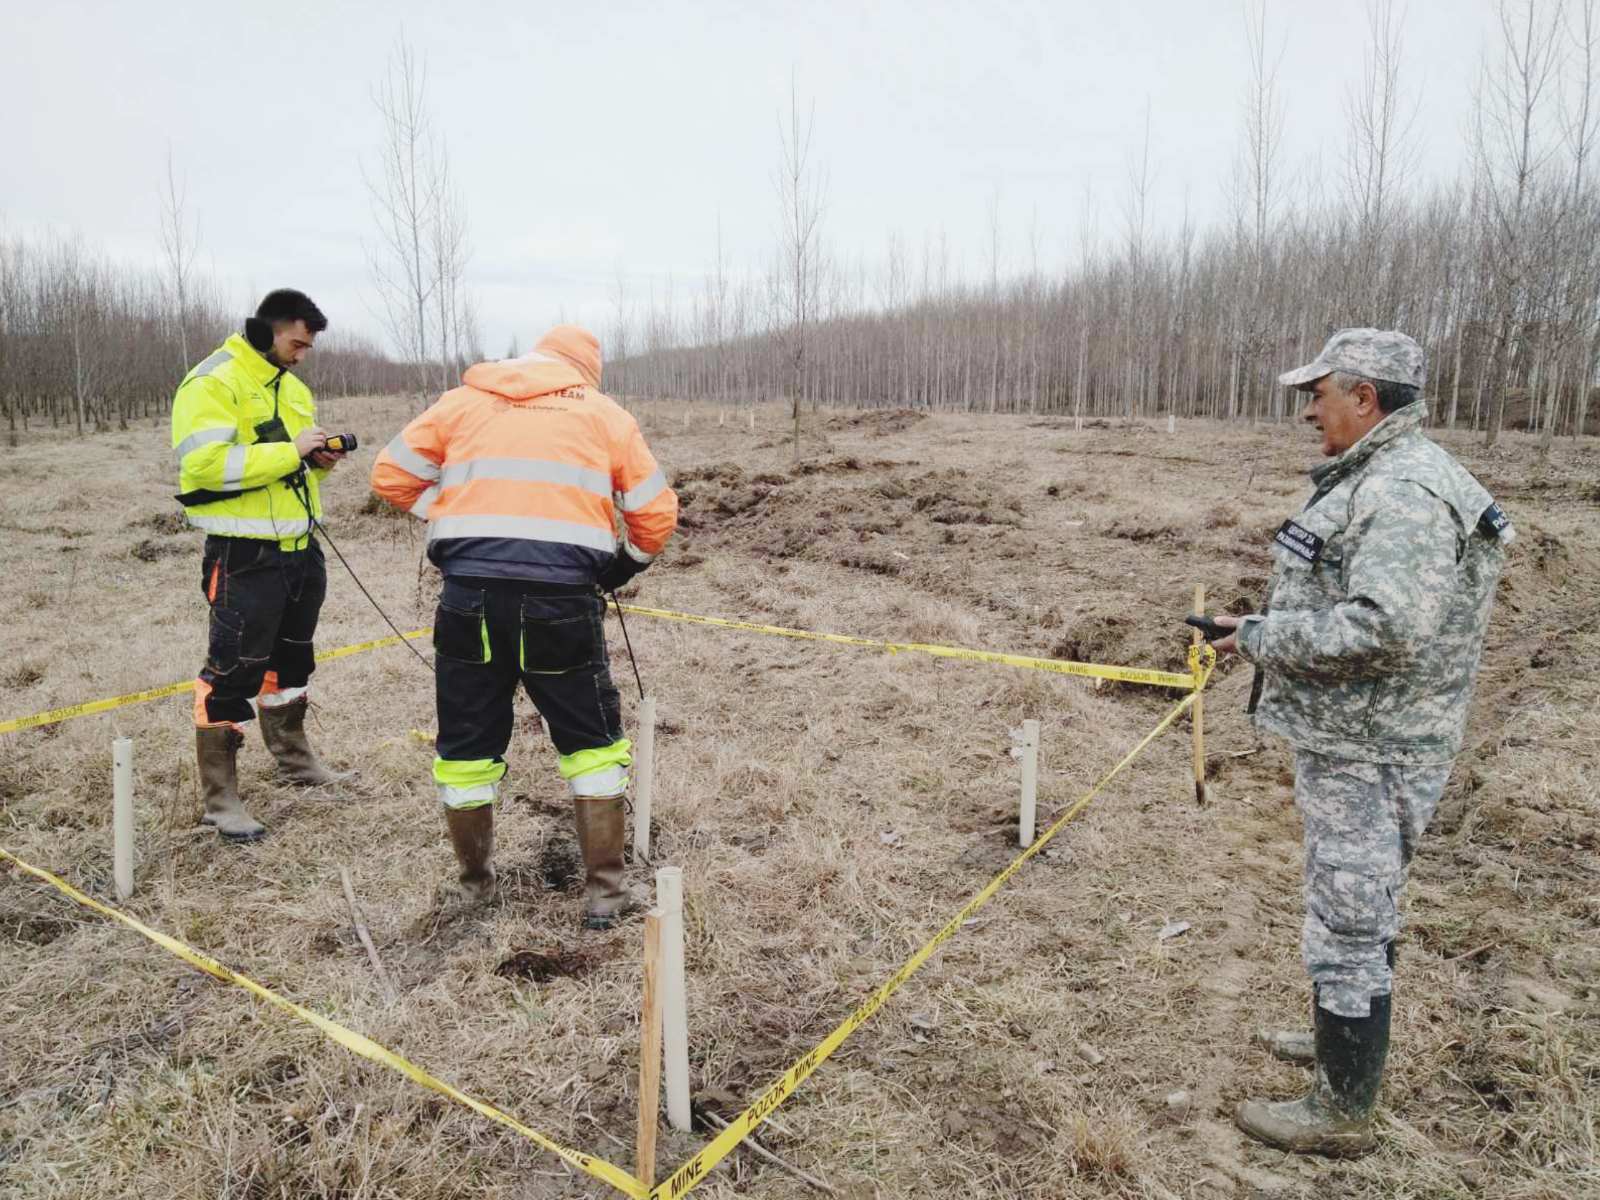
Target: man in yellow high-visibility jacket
(250, 461)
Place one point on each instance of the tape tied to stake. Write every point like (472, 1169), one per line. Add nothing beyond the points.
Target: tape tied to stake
(357, 1043)
(693, 1172)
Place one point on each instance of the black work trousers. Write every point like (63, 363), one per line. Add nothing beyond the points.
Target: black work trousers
(264, 607)
(491, 634)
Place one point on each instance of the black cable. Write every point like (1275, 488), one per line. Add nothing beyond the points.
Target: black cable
(302, 491)
(628, 642)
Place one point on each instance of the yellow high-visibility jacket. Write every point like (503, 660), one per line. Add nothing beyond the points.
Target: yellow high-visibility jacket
(230, 482)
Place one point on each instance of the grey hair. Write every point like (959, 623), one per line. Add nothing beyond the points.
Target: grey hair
(1391, 396)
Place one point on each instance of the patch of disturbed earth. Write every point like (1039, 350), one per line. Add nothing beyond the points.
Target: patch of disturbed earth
(37, 928)
(543, 966)
(1004, 1129)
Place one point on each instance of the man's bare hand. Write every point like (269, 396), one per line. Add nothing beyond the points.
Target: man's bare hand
(309, 440)
(1229, 644)
(327, 459)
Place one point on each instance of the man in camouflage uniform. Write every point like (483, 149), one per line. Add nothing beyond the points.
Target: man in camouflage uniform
(1365, 661)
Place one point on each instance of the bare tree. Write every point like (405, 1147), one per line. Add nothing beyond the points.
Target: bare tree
(180, 241)
(1512, 148)
(1378, 150)
(449, 252)
(801, 189)
(405, 206)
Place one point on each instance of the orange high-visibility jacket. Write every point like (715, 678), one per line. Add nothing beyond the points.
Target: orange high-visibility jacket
(520, 471)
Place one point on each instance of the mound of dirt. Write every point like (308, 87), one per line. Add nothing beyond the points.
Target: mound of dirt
(888, 420)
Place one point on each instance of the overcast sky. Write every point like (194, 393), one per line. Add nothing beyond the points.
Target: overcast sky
(605, 139)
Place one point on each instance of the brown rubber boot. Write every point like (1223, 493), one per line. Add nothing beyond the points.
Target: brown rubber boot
(216, 751)
(605, 900)
(283, 728)
(472, 835)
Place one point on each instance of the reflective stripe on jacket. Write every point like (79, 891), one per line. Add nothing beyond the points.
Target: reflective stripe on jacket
(521, 471)
(214, 417)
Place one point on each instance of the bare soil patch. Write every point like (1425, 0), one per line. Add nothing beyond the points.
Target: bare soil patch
(830, 807)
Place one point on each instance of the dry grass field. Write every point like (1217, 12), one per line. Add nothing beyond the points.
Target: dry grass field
(831, 807)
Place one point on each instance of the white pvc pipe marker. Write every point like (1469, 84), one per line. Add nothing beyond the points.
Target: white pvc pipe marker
(1030, 782)
(674, 996)
(644, 777)
(122, 816)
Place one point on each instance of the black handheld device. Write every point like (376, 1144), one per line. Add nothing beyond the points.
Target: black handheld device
(1209, 629)
(340, 443)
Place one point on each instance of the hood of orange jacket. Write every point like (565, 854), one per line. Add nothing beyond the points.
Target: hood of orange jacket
(534, 374)
(576, 347)
(568, 356)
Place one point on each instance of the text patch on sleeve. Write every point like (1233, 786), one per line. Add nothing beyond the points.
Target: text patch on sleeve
(1495, 522)
(1299, 540)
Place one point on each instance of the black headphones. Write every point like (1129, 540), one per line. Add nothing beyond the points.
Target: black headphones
(258, 333)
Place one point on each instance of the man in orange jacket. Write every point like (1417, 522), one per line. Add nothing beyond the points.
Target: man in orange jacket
(519, 474)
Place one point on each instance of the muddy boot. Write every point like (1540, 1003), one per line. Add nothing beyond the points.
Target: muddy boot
(283, 728)
(1290, 1045)
(216, 750)
(1335, 1117)
(472, 835)
(605, 900)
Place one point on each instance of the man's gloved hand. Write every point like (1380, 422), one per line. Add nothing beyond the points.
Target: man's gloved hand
(618, 571)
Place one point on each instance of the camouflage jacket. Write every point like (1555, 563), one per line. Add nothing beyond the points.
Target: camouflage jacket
(1379, 601)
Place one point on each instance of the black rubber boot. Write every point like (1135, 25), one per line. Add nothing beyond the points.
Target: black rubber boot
(1335, 1117)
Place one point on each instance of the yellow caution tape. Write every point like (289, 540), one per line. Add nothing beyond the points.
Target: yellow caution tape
(375, 644)
(693, 1172)
(173, 689)
(94, 706)
(1169, 679)
(348, 1038)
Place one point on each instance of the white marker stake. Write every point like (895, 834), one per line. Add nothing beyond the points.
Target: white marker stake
(122, 816)
(1030, 782)
(644, 776)
(674, 996)
(1172, 423)
(752, 420)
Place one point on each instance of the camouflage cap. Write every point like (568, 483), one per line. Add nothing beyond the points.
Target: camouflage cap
(1383, 354)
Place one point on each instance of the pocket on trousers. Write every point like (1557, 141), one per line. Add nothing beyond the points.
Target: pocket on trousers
(226, 637)
(459, 630)
(559, 634)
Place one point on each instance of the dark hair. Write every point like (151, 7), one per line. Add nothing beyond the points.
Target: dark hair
(1394, 396)
(284, 306)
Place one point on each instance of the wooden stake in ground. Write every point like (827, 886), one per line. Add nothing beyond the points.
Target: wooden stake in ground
(1197, 713)
(360, 924)
(122, 816)
(674, 997)
(1030, 782)
(644, 775)
(644, 1165)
